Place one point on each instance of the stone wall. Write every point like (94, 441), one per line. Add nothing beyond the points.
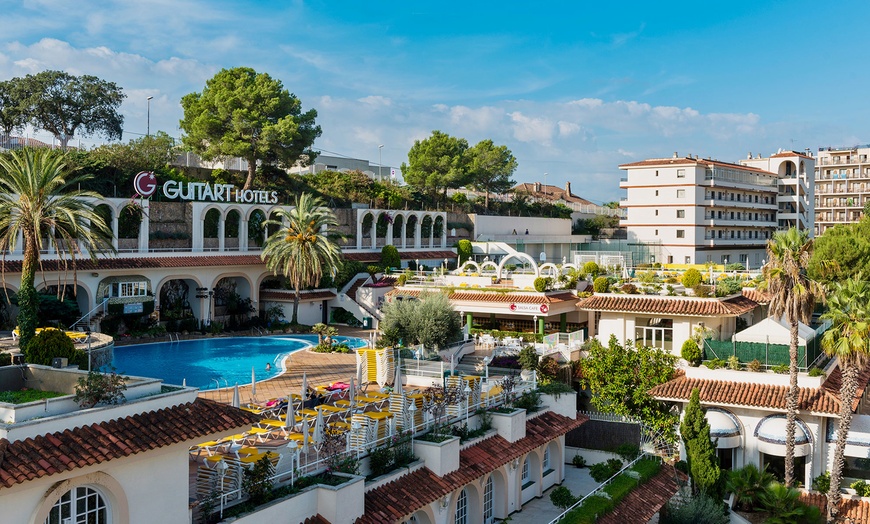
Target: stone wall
(170, 218)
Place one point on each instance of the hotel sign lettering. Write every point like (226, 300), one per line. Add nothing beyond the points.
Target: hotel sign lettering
(529, 308)
(217, 193)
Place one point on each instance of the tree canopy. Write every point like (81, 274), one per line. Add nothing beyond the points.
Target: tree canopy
(430, 321)
(437, 163)
(700, 449)
(491, 168)
(13, 106)
(843, 251)
(64, 104)
(247, 114)
(620, 377)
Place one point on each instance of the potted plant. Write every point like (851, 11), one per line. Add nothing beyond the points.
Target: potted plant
(528, 360)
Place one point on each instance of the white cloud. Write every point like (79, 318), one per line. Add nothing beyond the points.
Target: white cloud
(531, 129)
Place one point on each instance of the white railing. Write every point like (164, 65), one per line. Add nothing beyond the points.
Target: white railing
(87, 316)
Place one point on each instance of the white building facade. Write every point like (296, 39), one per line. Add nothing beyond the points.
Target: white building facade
(702, 211)
(842, 185)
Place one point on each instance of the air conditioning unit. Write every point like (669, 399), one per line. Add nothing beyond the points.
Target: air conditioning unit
(59, 362)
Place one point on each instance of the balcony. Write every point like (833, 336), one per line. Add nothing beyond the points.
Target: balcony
(726, 203)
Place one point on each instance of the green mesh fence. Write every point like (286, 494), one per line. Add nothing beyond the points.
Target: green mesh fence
(768, 354)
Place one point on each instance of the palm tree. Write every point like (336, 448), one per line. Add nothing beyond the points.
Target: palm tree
(39, 200)
(793, 294)
(848, 339)
(301, 249)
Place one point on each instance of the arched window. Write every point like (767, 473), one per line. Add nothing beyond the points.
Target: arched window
(461, 509)
(488, 514)
(525, 476)
(547, 458)
(81, 504)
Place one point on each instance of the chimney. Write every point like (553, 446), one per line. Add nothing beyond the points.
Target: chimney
(568, 188)
(676, 155)
(537, 187)
(749, 156)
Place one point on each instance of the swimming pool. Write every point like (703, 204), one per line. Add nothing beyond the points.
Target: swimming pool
(209, 363)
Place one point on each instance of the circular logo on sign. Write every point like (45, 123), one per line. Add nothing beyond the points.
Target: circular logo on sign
(145, 184)
(544, 308)
(513, 307)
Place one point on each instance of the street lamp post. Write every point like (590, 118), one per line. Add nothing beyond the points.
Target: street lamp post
(380, 176)
(148, 128)
(88, 333)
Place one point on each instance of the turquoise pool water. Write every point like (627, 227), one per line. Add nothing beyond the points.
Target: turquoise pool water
(210, 363)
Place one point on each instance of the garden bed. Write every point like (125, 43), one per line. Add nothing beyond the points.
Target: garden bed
(597, 505)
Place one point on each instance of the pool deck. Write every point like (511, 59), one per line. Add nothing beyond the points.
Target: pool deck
(319, 369)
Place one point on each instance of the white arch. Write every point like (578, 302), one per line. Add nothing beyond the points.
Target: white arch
(471, 263)
(488, 264)
(549, 265)
(521, 256)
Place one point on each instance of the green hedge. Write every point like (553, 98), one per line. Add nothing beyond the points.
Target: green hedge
(769, 354)
(596, 506)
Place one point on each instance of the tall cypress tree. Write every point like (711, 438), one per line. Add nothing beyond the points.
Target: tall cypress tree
(700, 449)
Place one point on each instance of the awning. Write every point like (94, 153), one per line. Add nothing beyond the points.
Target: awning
(725, 427)
(771, 436)
(858, 438)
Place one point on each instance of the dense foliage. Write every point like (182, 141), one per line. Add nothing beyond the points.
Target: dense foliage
(430, 321)
(51, 343)
(700, 449)
(620, 377)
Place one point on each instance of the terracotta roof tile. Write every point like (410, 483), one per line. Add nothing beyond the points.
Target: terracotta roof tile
(757, 295)
(405, 495)
(790, 153)
(686, 306)
(853, 510)
(692, 161)
(45, 455)
(484, 296)
(316, 519)
(646, 500)
(817, 400)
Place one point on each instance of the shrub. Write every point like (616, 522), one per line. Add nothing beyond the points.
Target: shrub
(702, 291)
(529, 401)
(816, 372)
(257, 480)
(862, 489)
(699, 508)
(464, 250)
(716, 363)
(822, 483)
(747, 484)
(562, 498)
(735, 267)
(5, 359)
(390, 257)
(754, 366)
(403, 278)
(784, 506)
(734, 363)
(600, 284)
(578, 461)
(100, 388)
(543, 284)
(629, 289)
(782, 369)
(628, 452)
(691, 353)
(380, 460)
(51, 343)
(604, 470)
(691, 278)
(528, 358)
(591, 268)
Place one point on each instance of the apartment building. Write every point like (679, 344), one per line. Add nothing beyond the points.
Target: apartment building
(842, 185)
(704, 210)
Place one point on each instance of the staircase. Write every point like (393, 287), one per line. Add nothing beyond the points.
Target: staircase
(358, 283)
(90, 318)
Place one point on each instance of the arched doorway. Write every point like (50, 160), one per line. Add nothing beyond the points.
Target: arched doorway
(178, 306)
(129, 222)
(256, 229)
(426, 231)
(232, 302)
(232, 227)
(210, 228)
(398, 224)
(411, 231)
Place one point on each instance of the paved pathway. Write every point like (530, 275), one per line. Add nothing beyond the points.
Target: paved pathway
(541, 511)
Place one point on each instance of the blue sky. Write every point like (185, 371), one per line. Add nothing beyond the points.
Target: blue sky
(572, 88)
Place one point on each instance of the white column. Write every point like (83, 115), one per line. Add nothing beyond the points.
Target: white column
(144, 228)
(115, 229)
(243, 234)
(389, 239)
(221, 228)
(418, 232)
(404, 232)
(359, 234)
(374, 232)
(444, 232)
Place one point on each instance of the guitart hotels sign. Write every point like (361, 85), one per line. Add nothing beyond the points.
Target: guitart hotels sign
(145, 184)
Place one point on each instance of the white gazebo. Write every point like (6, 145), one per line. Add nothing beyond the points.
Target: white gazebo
(773, 331)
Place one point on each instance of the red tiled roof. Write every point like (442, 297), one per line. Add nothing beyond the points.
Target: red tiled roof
(685, 306)
(283, 294)
(549, 192)
(394, 501)
(690, 161)
(818, 400)
(790, 153)
(45, 455)
(853, 510)
(646, 500)
(14, 266)
(316, 519)
(491, 296)
(757, 295)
